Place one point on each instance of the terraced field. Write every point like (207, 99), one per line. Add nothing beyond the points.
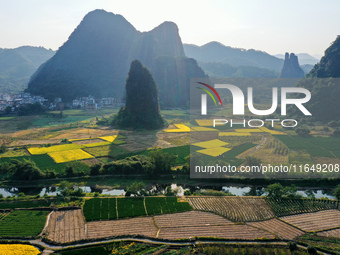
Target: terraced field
(281, 229)
(330, 233)
(231, 231)
(66, 226)
(135, 226)
(317, 221)
(287, 206)
(238, 209)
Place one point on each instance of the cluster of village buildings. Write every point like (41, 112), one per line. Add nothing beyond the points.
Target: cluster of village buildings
(14, 101)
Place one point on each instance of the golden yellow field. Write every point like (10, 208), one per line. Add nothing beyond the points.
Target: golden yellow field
(56, 148)
(70, 155)
(211, 144)
(90, 145)
(180, 128)
(216, 151)
(15, 249)
(203, 129)
(233, 134)
(108, 138)
(205, 122)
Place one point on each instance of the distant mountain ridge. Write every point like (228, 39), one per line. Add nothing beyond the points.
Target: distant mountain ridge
(217, 52)
(18, 64)
(96, 58)
(304, 58)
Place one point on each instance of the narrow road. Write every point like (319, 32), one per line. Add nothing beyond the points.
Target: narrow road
(49, 247)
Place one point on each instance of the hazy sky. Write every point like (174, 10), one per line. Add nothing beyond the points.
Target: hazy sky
(274, 26)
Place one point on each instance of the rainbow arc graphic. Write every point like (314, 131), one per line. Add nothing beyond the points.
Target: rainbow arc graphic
(204, 97)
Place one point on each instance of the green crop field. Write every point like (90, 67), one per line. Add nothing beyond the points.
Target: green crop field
(130, 207)
(100, 209)
(105, 208)
(286, 206)
(159, 205)
(23, 224)
(315, 146)
(237, 150)
(25, 204)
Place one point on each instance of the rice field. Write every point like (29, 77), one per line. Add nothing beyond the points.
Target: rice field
(69, 155)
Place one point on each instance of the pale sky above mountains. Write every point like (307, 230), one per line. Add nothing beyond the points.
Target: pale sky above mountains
(273, 26)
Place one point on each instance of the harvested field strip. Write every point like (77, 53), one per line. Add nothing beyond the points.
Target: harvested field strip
(66, 226)
(231, 231)
(281, 229)
(137, 226)
(330, 233)
(316, 221)
(192, 218)
(239, 209)
(286, 206)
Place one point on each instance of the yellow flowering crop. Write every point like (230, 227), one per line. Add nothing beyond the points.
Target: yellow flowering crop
(211, 144)
(44, 150)
(70, 155)
(216, 151)
(203, 129)
(14, 249)
(205, 122)
(90, 145)
(180, 128)
(108, 138)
